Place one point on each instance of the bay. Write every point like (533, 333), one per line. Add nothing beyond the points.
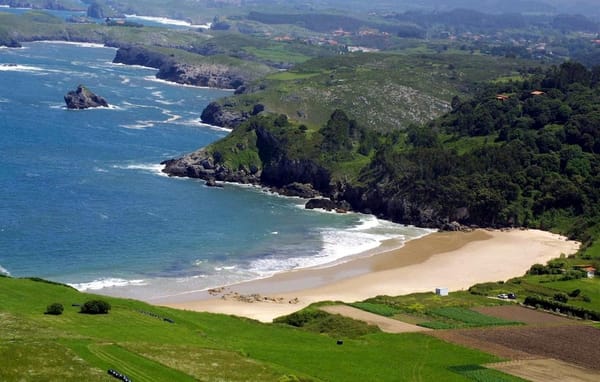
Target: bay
(83, 200)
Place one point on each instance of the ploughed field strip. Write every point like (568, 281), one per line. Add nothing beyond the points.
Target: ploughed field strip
(576, 344)
(387, 325)
(546, 370)
(525, 315)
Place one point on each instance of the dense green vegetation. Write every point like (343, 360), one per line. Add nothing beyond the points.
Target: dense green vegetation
(136, 340)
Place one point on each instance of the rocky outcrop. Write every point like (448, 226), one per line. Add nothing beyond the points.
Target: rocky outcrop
(301, 190)
(169, 69)
(328, 205)
(137, 55)
(10, 42)
(210, 75)
(202, 165)
(83, 98)
(219, 115)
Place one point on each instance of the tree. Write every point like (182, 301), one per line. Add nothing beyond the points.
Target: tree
(55, 309)
(95, 307)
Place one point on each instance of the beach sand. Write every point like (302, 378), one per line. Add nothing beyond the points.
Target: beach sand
(455, 260)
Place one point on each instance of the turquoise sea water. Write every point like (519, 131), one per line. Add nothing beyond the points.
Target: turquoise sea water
(83, 201)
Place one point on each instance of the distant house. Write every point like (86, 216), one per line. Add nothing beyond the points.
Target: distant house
(502, 97)
(441, 291)
(590, 271)
(537, 93)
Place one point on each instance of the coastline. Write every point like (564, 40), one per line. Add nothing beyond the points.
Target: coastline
(455, 260)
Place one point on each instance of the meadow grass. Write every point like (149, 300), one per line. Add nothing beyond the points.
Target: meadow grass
(199, 346)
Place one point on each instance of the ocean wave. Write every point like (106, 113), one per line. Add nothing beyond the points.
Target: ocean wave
(74, 43)
(153, 168)
(163, 102)
(107, 283)
(198, 123)
(131, 66)
(140, 125)
(340, 245)
(21, 68)
(154, 79)
(4, 271)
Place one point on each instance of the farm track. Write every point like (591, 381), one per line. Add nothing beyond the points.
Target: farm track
(386, 325)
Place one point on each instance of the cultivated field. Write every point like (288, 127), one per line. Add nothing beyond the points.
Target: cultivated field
(525, 315)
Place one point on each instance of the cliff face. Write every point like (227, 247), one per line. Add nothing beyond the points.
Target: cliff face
(169, 69)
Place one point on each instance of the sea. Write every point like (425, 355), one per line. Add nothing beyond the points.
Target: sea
(83, 200)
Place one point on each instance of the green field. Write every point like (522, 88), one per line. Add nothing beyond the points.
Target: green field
(435, 312)
(199, 346)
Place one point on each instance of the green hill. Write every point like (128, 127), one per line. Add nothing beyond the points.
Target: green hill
(381, 91)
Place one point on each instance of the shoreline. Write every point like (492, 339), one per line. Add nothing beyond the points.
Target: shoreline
(455, 260)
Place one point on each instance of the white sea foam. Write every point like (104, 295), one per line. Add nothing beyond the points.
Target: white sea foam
(168, 21)
(172, 118)
(4, 271)
(198, 122)
(131, 66)
(154, 79)
(107, 283)
(140, 125)
(153, 168)
(74, 43)
(21, 68)
(163, 102)
(225, 268)
(339, 245)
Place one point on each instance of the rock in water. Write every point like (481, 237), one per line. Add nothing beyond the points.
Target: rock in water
(83, 98)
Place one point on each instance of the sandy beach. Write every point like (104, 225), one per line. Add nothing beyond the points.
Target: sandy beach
(455, 260)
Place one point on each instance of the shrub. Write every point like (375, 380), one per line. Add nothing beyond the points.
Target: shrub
(95, 307)
(561, 297)
(577, 311)
(586, 298)
(55, 309)
(575, 293)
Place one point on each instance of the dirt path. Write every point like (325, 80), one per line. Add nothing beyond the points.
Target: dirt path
(546, 370)
(387, 325)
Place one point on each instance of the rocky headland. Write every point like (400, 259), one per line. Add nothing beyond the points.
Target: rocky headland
(206, 74)
(83, 98)
(308, 179)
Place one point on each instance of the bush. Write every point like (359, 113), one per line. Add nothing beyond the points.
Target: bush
(55, 309)
(95, 307)
(575, 293)
(577, 311)
(561, 297)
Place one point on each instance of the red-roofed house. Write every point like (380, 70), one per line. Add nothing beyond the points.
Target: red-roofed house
(591, 272)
